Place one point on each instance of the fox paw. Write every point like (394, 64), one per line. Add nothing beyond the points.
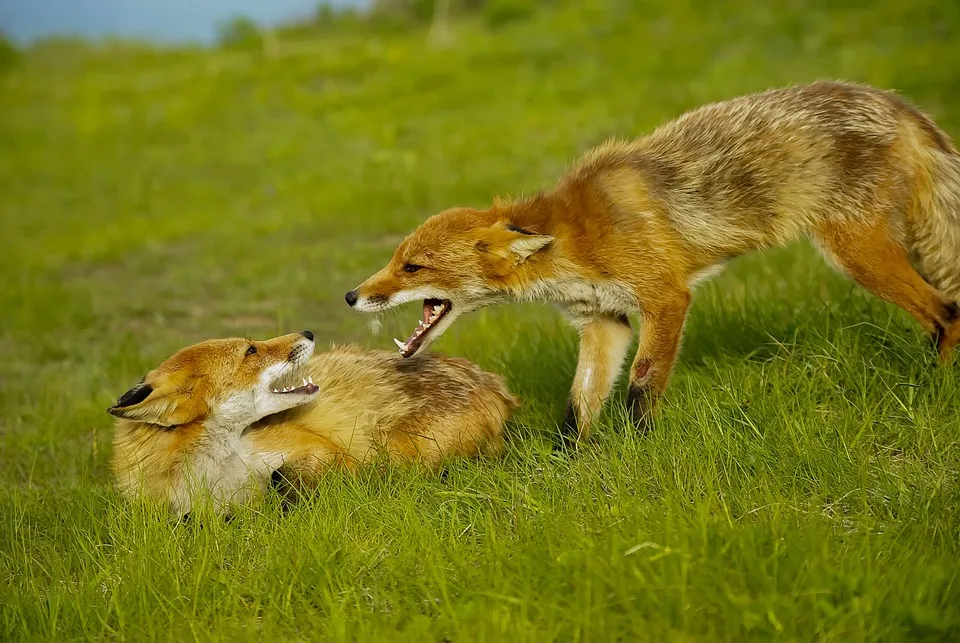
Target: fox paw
(640, 402)
(569, 435)
(947, 336)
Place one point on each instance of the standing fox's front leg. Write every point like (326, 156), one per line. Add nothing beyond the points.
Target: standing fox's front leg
(603, 346)
(660, 332)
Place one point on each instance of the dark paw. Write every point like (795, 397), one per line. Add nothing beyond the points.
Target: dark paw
(569, 434)
(640, 405)
(942, 330)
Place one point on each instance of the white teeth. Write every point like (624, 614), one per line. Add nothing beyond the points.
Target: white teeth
(310, 379)
(399, 344)
(437, 309)
(304, 381)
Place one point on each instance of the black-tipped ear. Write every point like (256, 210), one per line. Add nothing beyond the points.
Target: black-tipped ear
(137, 394)
(514, 228)
(526, 243)
(511, 242)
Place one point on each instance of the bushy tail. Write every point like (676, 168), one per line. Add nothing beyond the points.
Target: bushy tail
(937, 233)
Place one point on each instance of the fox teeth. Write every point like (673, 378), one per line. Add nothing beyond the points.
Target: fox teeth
(304, 381)
(437, 309)
(399, 344)
(310, 379)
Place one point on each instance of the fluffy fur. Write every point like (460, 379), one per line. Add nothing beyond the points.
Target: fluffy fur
(207, 420)
(635, 224)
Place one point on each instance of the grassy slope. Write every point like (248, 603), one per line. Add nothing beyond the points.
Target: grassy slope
(802, 478)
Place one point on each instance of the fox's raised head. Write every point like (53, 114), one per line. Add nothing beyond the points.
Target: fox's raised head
(179, 429)
(234, 381)
(456, 262)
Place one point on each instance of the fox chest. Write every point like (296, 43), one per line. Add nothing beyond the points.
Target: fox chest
(589, 299)
(231, 471)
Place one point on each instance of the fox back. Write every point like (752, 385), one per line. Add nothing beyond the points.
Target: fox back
(634, 225)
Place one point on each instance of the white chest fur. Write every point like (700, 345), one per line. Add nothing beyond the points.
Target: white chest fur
(224, 470)
(588, 298)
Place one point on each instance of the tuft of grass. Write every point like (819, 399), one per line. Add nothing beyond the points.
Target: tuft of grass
(800, 481)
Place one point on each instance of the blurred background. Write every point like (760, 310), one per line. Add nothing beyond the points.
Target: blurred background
(176, 170)
(170, 21)
(173, 171)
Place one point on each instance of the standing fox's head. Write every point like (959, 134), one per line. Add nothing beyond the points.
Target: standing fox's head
(179, 430)
(456, 262)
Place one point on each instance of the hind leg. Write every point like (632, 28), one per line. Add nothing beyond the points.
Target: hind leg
(869, 254)
(660, 335)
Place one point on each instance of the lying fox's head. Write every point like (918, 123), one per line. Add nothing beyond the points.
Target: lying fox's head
(232, 381)
(456, 262)
(179, 429)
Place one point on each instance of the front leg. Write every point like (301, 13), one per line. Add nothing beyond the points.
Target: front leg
(603, 346)
(660, 333)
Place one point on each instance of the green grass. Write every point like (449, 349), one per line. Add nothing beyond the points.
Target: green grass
(801, 480)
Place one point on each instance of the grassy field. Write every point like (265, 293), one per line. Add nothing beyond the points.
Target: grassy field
(801, 480)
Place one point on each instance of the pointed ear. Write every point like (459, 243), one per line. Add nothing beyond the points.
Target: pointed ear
(143, 403)
(527, 244)
(513, 243)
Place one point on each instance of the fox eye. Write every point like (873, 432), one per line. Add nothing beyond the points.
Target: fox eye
(252, 350)
(411, 267)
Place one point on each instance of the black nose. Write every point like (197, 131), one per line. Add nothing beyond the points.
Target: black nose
(307, 334)
(351, 297)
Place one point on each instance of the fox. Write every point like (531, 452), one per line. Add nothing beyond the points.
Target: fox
(635, 224)
(220, 421)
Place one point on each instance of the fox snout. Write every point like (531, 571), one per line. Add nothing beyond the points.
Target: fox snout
(301, 350)
(360, 298)
(300, 347)
(377, 301)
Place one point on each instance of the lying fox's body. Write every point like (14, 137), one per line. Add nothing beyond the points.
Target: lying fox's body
(634, 225)
(218, 420)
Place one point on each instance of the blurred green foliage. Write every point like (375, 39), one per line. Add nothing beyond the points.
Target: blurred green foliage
(8, 53)
(239, 32)
(800, 482)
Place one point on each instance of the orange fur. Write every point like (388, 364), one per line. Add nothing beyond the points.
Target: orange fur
(207, 420)
(635, 224)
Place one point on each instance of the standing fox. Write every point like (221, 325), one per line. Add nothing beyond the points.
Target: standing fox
(220, 417)
(866, 175)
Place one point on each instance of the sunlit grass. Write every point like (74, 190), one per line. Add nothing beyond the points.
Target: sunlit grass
(800, 481)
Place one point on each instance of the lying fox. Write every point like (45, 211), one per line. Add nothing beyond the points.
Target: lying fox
(863, 173)
(220, 417)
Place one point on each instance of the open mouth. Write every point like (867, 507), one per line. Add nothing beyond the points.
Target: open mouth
(307, 387)
(433, 311)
